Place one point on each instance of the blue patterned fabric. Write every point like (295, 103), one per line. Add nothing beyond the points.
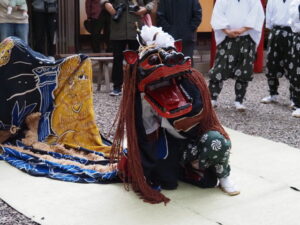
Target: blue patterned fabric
(27, 84)
(40, 167)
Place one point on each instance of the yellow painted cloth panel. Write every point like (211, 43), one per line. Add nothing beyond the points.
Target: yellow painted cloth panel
(73, 117)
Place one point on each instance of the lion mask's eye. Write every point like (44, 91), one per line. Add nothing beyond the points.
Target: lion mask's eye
(82, 77)
(154, 60)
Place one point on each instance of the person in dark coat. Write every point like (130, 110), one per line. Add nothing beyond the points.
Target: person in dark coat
(180, 19)
(99, 20)
(123, 33)
(44, 26)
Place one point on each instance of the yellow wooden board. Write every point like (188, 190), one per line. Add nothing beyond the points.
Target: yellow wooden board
(207, 7)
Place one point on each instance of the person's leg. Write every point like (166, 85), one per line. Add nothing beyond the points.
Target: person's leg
(276, 63)
(51, 33)
(117, 70)
(95, 34)
(240, 90)
(133, 45)
(38, 30)
(273, 83)
(215, 88)
(295, 77)
(167, 167)
(243, 58)
(104, 24)
(215, 152)
(296, 100)
(188, 49)
(106, 31)
(21, 31)
(220, 71)
(5, 31)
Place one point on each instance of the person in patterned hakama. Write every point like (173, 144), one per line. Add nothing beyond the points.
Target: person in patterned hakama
(237, 25)
(295, 74)
(279, 55)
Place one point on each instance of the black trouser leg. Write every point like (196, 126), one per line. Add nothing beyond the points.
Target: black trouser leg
(51, 33)
(95, 35)
(117, 70)
(188, 49)
(105, 26)
(240, 88)
(295, 96)
(215, 88)
(38, 29)
(44, 26)
(273, 85)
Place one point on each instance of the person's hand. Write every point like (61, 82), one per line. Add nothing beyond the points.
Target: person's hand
(109, 8)
(141, 12)
(241, 30)
(231, 33)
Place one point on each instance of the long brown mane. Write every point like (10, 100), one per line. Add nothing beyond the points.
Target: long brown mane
(208, 118)
(126, 128)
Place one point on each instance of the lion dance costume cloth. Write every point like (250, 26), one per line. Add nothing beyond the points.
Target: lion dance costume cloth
(166, 115)
(47, 121)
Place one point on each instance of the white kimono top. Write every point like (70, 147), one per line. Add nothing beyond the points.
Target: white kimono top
(277, 13)
(234, 14)
(294, 20)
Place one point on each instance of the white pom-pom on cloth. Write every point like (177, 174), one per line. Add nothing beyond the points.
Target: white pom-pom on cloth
(162, 39)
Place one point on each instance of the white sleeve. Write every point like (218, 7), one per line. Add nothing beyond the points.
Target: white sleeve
(294, 20)
(269, 14)
(218, 19)
(256, 16)
(150, 118)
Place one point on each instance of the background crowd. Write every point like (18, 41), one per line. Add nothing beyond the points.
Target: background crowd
(237, 26)
(14, 21)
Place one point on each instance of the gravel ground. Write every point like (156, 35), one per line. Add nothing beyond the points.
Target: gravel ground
(273, 121)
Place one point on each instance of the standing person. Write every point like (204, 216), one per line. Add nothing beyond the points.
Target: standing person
(181, 20)
(123, 33)
(44, 26)
(99, 20)
(279, 47)
(237, 25)
(13, 22)
(295, 73)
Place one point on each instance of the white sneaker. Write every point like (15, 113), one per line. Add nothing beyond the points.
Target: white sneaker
(292, 105)
(214, 103)
(296, 113)
(270, 99)
(228, 186)
(239, 106)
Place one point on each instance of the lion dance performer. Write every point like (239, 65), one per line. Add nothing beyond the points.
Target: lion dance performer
(171, 128)
(294, 12)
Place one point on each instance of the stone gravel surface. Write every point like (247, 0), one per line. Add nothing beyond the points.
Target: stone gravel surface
(272, 121)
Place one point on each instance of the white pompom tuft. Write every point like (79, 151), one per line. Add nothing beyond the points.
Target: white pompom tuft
(162, 38)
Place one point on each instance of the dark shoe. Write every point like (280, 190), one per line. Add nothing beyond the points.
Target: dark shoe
(168, 185)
